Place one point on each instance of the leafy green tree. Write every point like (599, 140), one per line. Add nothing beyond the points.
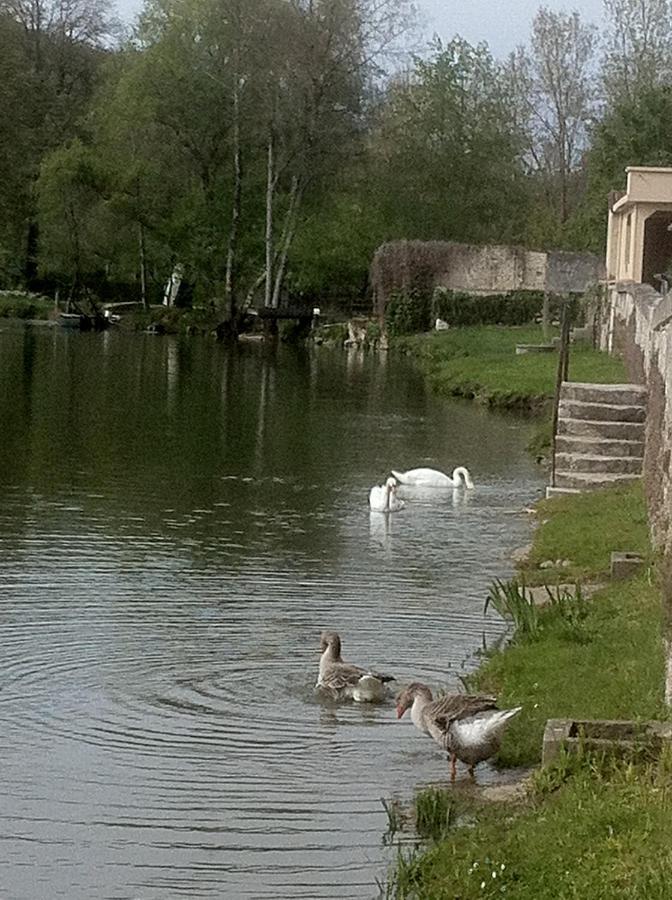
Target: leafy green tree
(448, 162)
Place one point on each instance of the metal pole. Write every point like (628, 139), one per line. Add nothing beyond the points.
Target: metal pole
(561, 375)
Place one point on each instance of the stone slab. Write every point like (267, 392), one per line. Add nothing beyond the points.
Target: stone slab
(616, 737)
(624, 565)
(591, 481)
(601, 412)
(597, 446)
(630, 394)
(582, 462)
(599, 429)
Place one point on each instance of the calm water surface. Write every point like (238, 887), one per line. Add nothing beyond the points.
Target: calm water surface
(177, 524)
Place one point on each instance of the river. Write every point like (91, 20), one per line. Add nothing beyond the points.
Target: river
(178, 523)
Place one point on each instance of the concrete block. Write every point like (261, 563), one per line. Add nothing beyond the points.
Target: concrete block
(616, 737)
(534, 348)
(623, 565)
(557, 491)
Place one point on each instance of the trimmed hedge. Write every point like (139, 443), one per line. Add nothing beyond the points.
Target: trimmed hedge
(410, 312)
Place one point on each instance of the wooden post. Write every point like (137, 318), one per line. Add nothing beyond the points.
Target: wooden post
(561, 375)
(546, 317)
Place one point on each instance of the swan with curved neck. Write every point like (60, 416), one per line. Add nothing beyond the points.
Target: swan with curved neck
(383, 498)
(424, 477)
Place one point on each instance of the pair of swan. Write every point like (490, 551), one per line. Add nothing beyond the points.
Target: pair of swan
(468, 726)
(383, 498)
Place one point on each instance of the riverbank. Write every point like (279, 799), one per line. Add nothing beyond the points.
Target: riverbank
(21, 305)
(584, 828)
(481, 363)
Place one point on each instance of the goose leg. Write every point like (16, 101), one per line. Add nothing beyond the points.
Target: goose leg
(453, 768)
(471, 773)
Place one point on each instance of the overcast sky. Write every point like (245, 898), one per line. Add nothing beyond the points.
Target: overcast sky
(501, 23)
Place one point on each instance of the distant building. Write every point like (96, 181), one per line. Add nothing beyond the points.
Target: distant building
(639, 233)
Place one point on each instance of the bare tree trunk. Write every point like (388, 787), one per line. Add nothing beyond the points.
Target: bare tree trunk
(143, 265)
(289, 230)
(270, 189)
(230, 285)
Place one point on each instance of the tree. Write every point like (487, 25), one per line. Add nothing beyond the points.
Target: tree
(447, 158)
(637, 131)
(637, 53)
(555, 102)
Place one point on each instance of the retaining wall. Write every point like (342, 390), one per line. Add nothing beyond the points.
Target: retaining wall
(477, 269)
(638, 324)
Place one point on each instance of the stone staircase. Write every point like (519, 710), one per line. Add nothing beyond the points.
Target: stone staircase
(600, 435)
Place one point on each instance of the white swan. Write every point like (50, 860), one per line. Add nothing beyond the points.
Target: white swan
(434, 478)
(383, 497)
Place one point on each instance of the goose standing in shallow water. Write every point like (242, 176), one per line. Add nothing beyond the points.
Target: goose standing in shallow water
(383, 497)
(434, 478)
(468, 726)
(345, 681)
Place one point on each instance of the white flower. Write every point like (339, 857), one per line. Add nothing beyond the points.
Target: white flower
(482, 885)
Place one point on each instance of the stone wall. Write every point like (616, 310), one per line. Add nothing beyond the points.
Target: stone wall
(639, 327)
(638, 324)
(475, 269)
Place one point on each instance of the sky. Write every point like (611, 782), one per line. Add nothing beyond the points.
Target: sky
(502, 24)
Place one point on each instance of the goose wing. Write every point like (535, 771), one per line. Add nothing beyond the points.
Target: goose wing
(459, 706)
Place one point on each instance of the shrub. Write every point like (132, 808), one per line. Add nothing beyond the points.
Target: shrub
(408, 312)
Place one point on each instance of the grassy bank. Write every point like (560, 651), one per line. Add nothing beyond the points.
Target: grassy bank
(589, 830)
(19, 305)
(481, 363)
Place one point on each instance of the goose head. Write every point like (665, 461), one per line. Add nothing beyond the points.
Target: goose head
(330, 643)
(407, 697)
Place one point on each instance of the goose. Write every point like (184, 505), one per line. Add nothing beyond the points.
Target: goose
(383, 497)
(345, 681)
(433, 478)
(468, 726)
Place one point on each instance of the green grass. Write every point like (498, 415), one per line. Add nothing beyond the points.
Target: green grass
(614, 671)
(589, 830)
(603, 835)
(584, 529)
(481, 363)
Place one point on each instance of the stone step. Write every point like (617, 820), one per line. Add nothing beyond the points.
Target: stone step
(625, 394)
(579, 462)
(602, 412)
(587, 481)
(622, 431)
(595, 446)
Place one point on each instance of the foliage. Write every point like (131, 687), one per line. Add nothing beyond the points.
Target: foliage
(434, 813)
(512, 308)
(408, 312)
(512, 601)
(18, 305)
(600, 831)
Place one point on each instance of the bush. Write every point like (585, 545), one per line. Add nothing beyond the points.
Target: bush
(19, 305)
(408, 312)
(512, 308)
